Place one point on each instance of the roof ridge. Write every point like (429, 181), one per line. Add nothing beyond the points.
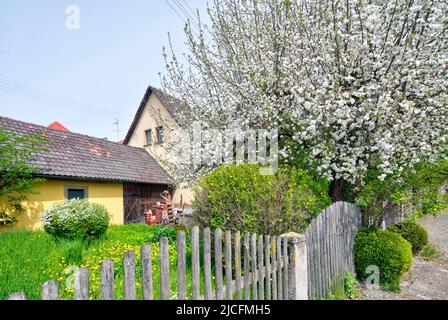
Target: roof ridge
(69, 132)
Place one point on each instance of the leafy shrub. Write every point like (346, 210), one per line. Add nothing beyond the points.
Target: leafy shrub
(388, 251)
(238, 197)
(76, 219)
(429, 252)
(412, 232)
(161, 231)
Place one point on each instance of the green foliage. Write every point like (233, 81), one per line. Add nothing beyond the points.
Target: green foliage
(350, 283)
(164, 231)
(388, 251)
(237, 197)
(16, 174)
(412, 232)
(419, 189)
(429, 252)
(76, 219)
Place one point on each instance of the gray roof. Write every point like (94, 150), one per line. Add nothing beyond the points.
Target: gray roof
(78, 156)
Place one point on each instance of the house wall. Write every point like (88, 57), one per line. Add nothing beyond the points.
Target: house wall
(52, 191)
(156, 115)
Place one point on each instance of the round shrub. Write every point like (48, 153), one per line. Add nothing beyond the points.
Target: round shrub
(388, 251)
(76, 219)
(238, 197)
(412, 232)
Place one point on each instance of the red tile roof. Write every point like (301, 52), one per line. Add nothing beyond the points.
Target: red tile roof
(57, 126)
(78, 156)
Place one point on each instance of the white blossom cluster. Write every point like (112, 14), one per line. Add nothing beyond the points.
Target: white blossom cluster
(360, 84)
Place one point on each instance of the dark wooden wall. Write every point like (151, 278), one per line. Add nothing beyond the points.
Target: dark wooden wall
(138, 198)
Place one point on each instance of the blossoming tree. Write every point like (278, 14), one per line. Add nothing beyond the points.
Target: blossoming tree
(357, 84)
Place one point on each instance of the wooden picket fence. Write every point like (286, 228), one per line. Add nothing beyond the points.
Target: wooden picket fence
(254, 269)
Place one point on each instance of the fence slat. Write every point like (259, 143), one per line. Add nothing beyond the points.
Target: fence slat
(195, 266)
(279, 268)
(247, 281)
(228, 262)
(274, 268)
(207, 265)
(237, 240)
(107, 280)
(129, 276)
(260, 268)
(82, 287)
(147, 287)
(50, 290)
(181, 267)
(18, 296)
(254, 267)
(164, 269)
(267, 256)
(218, 264)
(285, 269)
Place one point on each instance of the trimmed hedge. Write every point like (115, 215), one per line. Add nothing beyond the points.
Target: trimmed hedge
(412, 232)
(76, 219)
(385, 249)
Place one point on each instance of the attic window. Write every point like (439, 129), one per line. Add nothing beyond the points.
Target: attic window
(148, 137)
(75, 192)
(160, 134)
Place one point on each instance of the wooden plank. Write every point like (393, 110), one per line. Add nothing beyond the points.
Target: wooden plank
(274, 268)
(254, 266)
(146, 260)
(267, 258)
(247, 278)
(107, 280)
(218, 265)
(228, 262)
(82, 286)
(129, 276)
(260, 268)
(50, 290)
(208, 265)
(195, 264)
(237, 240)
(285, 268)
(279, 268)
(164, 269)
(18, 296)
(181, 267)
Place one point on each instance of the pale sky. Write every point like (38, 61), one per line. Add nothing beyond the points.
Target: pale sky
(88, 77)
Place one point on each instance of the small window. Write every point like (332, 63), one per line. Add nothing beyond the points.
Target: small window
(75, 193)
(160, 134)
(148, 137)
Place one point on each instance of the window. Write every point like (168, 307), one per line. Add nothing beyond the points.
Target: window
(75, 192)
(148, 137)
(160, 134)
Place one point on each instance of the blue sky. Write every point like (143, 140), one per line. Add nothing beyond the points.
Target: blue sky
(108, 63)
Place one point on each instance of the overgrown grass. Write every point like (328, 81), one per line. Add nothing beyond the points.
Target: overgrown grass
(429, 252)
(28, 259)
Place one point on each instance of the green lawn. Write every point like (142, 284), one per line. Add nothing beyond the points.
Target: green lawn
(28, 259)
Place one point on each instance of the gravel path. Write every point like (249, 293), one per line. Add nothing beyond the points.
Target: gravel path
(427, 280)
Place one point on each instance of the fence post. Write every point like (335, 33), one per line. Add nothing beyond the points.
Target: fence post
(298, 267)
(50, 290)
(17, 296)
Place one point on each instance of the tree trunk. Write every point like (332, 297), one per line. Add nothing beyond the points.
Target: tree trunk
(336, 188)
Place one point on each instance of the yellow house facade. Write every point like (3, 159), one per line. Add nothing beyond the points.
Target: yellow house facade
(100, 171)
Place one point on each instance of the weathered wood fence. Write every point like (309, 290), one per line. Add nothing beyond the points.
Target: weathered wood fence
(253, 267)
(330, 240)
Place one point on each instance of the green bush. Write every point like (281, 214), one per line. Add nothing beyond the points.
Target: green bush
(76, 219)
(161, 231)
(388, 251)
(412, 232)
(238, 197)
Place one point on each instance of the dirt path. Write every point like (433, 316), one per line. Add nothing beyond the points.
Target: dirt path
(427, 280)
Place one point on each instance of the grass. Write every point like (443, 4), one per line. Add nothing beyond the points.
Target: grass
(429, 252)
(28, 259)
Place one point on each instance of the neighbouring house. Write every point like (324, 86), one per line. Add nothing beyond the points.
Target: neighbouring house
(126, 180)
(58, 126)
(155, 118)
